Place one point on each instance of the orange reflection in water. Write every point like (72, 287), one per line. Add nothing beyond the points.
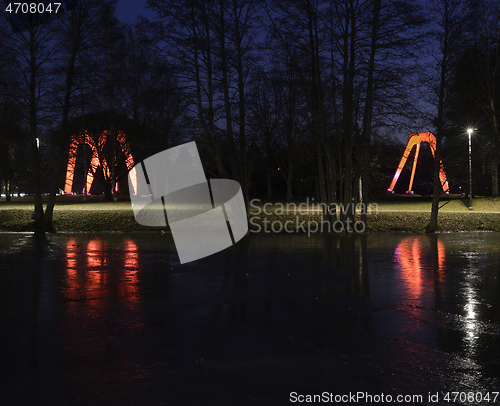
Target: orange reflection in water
(131, 268)
(71, 256)
(103, 315)
(131, 255)
(96, 271)
(415, 258)
(95, 256)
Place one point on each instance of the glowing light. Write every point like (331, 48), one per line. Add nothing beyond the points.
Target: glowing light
(97, 147)
(415, 140)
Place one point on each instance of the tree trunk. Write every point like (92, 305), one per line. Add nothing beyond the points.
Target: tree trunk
(331, 178)
(494, 178)
(8, 192)
(269, 184)
(225, 87)
(63, 142)
(348, 101)
(64, 137)
(244, 176)
(364, 173)
(37, 164)
(289, 182)
(436, 190)
(208, 127)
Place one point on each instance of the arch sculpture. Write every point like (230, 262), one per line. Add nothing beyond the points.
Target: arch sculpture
(97, 146)
(415, 140)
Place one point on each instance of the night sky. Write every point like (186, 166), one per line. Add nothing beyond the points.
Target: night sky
(128, 10)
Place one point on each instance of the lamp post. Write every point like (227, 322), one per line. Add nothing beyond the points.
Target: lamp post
(469, 130)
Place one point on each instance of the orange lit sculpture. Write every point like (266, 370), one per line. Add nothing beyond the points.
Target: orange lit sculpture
(97, 145)
(415, 140)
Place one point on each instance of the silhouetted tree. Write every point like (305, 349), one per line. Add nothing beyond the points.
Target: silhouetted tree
(450, 19)
(32, 46)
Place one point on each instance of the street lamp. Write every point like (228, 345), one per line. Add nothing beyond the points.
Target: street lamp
(469, 130)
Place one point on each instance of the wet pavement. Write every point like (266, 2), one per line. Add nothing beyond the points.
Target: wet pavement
(114, 319)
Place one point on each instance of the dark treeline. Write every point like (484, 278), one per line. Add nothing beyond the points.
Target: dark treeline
(305, 97)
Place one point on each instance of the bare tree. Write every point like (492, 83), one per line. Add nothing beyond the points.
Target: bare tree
(264, 121)
(185, 28)
(297, 29)
(394, 36)
(31, 43)
(451, 16)
(11, 118)
(212, 43)
(487, 70)
(153, 97)
(75, 34)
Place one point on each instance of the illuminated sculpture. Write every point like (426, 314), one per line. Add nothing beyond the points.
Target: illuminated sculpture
(97, 146)
(415, 140)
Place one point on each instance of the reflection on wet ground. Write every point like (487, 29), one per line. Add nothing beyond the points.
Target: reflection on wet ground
(92, 273)
(114, 319)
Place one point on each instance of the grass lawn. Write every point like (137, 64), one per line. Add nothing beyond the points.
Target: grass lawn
(72, 214)
(450, 204)
(389, 214)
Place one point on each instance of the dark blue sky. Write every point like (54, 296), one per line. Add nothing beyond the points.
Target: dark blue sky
(128, 10)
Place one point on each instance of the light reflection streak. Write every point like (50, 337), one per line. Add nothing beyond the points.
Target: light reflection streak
(103, 312)
(471, 322)
(131, 263)
(94, 253)
(72, 265)
(413, 257)
(95, 271)
(71, 257)
(418, 272)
